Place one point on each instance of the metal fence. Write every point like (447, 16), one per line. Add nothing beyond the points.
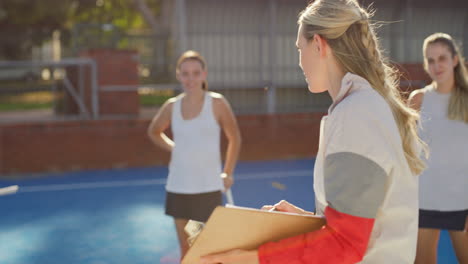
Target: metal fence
(250, 46)
(64, 82)
(155, 51)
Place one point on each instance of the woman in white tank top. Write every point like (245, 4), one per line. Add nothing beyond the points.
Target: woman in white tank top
(196, 176)
(443, 199)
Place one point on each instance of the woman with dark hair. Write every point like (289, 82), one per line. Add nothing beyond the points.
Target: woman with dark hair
(196, 177)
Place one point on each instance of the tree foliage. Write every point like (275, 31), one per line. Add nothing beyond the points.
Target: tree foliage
(26, 23)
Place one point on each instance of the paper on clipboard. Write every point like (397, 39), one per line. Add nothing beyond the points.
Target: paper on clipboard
(247, 228)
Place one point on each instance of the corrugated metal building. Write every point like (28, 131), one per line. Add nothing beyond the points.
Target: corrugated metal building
(250, 45)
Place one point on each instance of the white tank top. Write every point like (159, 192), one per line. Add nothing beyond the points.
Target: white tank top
(443, 185)
(195, 165)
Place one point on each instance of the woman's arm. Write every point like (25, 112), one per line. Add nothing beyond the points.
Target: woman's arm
(355, 180)
(415, 99)
(161, 122)
(342, 240)
(355, 176)
(350, 219)
(228, 123)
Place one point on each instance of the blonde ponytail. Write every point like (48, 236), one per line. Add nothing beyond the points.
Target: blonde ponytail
(346, 27)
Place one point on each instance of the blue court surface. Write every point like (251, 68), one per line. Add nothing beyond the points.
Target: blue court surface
(117, 216)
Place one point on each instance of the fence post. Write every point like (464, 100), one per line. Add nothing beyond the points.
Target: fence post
(181, 22)
(116, 84)
(271, 96)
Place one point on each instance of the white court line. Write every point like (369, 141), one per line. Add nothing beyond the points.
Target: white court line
(113, 184)
(9, 190)
(276, 174)
(90, 185)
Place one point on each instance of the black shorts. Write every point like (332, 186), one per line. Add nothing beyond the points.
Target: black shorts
(447, 220)
(196, 207)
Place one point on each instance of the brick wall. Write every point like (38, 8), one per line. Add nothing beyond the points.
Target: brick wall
(117, 80)
(74, 145)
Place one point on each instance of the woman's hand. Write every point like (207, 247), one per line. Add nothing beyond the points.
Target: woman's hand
(228, 180)
(235, 256)
(284, 206)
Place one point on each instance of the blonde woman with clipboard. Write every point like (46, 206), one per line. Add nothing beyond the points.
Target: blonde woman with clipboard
(365, 175)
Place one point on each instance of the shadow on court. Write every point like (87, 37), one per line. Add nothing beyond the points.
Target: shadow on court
(117, 216)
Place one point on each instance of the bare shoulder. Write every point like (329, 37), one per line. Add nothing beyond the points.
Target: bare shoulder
(416, 97)
(216, 96)
(170, 102)
(218, 99)
(221, 107)
(166, 108)
(162, 119)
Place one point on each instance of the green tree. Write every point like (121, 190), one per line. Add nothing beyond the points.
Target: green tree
(26, 23)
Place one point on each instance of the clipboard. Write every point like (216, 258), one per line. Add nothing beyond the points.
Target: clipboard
(247, 228)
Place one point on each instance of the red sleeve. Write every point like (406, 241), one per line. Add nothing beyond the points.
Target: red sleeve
(342, 240)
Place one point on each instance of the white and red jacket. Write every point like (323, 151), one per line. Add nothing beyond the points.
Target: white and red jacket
(363, 186)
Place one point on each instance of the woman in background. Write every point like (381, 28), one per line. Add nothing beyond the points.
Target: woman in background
(443, 105)
(196, 177)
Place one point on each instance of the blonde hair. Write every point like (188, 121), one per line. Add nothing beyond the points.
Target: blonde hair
(192, 55)
(458, 106)
(346, 27)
